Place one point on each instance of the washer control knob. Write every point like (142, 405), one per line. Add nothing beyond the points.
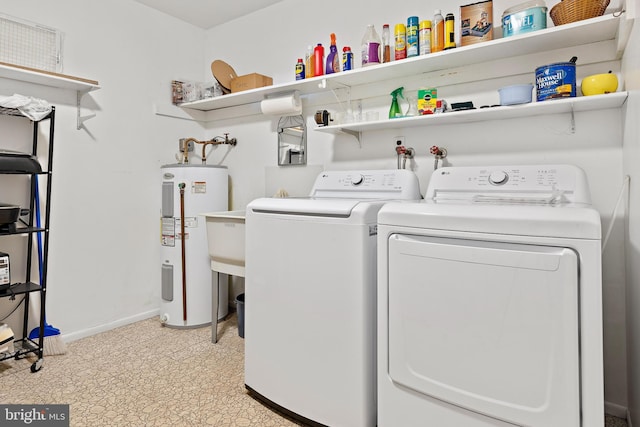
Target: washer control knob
(357, 180)
(498, 177)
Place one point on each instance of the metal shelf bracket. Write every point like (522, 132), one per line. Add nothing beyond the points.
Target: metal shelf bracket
(573, 120)
(356, 134)
(81, 119)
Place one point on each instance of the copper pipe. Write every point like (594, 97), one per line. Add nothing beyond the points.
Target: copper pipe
(215, 141)
(185, 148)
(184, 261)
(204, 146)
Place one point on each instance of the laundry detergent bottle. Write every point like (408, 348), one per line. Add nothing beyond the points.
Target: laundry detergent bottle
(395, 111)
(333, 58)
(318, 60)
(370, 47)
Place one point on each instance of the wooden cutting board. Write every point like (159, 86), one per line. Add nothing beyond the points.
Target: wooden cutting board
(223, 73)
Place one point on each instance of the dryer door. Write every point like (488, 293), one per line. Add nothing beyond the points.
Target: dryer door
(490, 327)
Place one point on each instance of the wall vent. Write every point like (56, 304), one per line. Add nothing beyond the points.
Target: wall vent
(28, 44)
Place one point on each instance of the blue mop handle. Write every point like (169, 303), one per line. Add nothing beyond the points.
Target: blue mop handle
(48, 329)
(38, 235)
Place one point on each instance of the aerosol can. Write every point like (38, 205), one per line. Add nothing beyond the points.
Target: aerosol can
(395, 111)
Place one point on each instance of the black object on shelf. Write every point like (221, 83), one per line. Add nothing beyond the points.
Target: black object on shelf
(8, 213)
(18, 162)
(462, 106)
(15, 162)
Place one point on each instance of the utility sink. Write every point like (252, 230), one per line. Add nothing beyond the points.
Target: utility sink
(225, 238)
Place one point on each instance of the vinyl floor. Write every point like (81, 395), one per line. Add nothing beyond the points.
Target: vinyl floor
(144, 374)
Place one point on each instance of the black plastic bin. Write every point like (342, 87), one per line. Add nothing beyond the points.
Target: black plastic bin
(240, 309)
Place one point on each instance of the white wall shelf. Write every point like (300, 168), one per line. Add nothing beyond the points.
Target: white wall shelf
(51, 79)
(607, 28)
(556, 106)
(45, 78)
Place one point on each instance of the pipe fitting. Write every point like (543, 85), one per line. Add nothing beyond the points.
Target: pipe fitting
(164, 319)
(185, 148)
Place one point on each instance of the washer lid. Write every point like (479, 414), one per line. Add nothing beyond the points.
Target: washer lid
(337, 208)
(566, 220)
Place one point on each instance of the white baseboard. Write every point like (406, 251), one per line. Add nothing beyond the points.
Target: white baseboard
(108, 326)
(616, 410)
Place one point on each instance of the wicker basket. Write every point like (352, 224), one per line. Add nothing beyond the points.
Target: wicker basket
(568, 11)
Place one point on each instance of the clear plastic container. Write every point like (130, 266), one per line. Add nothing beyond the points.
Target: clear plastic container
(437, 32)
(308, 62)
(386, 49)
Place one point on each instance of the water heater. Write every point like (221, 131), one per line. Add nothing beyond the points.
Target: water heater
(187, 281)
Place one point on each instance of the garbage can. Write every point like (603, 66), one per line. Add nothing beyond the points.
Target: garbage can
(240, 309)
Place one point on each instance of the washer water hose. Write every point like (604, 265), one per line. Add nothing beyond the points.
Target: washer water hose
(439, 153)
(184, 261)
(404, 153)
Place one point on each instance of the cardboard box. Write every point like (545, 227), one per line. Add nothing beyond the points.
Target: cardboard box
(476, 22)
(250, 81)
(427, 100)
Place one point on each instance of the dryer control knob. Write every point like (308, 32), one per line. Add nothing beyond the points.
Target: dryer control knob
(498, 177)
(357, 180)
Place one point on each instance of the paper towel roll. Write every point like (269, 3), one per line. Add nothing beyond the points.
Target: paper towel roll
(282, 106)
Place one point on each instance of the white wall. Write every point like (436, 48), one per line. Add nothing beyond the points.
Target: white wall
(631, 68)
(104, 266)
(273, 42)
(104, 249)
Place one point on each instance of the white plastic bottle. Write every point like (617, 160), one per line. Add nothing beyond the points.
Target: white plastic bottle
(370, 47)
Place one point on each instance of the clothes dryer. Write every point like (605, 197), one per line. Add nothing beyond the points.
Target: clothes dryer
(310, 290)
(489, 301)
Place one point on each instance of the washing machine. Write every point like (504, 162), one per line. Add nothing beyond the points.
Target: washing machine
(310, 290)
(489, 301)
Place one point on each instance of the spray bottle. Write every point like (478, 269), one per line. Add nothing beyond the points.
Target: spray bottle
(395, 111)
(347, 59)
(333, 59)
(299, 69)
